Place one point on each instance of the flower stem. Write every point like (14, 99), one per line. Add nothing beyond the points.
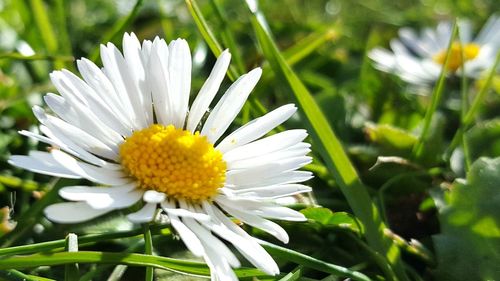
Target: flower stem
(148, 250)
(71, 271)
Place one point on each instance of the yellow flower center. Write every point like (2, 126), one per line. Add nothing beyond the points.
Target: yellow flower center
(470, 51)
(174, 161)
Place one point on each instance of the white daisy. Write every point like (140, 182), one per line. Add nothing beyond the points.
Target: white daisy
(418, 59)
(127, 127)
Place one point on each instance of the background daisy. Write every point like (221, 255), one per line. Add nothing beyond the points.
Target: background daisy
(418, 59)
(128, 127)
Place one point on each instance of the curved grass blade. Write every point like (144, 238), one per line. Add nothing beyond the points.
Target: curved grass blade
(175, 265)
(117, 30)
(334, 155)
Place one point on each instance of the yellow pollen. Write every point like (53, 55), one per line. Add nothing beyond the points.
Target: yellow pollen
(470, 51)
(174, 161)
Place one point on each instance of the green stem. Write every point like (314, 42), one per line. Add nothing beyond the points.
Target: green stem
(311, 262)
(118, 269)
(18, 56)
(418, 148)
(71, 271)
(118, 29)
(471, 113)
(227, 36)
(148, 250)
(46, 31)
(63, 30)
(51, 245)
(14, 275)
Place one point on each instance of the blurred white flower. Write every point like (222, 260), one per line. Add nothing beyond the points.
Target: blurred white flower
(418, 59)
(129, 128)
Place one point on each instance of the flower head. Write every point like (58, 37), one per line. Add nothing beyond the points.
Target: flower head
(128, 127)
(418, 60)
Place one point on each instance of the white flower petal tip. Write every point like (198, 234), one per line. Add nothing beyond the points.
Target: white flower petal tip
(146, 214)
(103, 197)
(152, 196)
(230, 105)
(70, 212)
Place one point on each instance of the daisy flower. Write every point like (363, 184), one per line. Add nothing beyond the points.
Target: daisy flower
(128, 127)
(418, 59)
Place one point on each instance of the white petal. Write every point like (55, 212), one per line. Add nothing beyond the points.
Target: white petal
(282, 178)
(384, 60)
(257, 128)
(71, 148)
(230, 105)
(47, 166)
(152, 196)
(160, 82)
(489, 32)
(266, 145)
(103, 197)
(245, 244)
(117, 72)
(191, 241)
(101, 84)
(86, 141)
(171, 209)
(146, 214)
(136, 63)
(83, 193)
(212, 242)
(298, 150)
(273, 191)
(208, 91)
(79, 115)
(90, 172)
(265, 170)
(254, 220)
(179, 69)
(71, 212)
(219, 267)
(82, 97)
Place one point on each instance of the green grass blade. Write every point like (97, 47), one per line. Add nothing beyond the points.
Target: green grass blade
(227, 36)
(18, 56)
(46, 31)
(311, 262)
(148, 250)
(208, 35)
(117, 30)
(309, 44)
(171, 264)
(471, 113)
(437, 93)
(333, 154)
(91, 238)
(14, 275)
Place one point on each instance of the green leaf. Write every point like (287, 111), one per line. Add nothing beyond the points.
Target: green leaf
(467, 248)
(484, 139)
(390, 137)
(325, 217)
